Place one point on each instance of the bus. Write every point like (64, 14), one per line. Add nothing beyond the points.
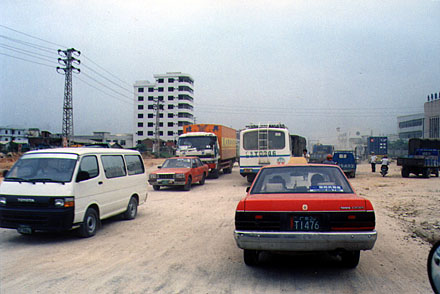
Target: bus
(266, 144)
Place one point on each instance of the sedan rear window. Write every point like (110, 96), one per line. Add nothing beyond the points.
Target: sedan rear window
(301, 179)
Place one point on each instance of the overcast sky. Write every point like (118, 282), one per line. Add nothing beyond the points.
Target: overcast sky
(314, 65)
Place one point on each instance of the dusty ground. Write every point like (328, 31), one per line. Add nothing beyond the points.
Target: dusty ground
(182, 242)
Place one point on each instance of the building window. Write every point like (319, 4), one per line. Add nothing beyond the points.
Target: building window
(160, 81)
(140, 90)
(170, 115)
(185, 88)
(140, 115)
(150, 115)
(160, 133)
(141, 98)
(185, 80)
(170, 80)
(171, 124)
(160, 89)
(161, 115)
(170, 133)
(150, 133)
(161, 124)
(140, 133)
(140, 125)
(150, 125)
(140, 107)
(434, 127)
(180, 132)
(170, 89)
(170, 106)
(160, 98)
(151, 89)
(123, 143)
(150, 98)
(170, 98)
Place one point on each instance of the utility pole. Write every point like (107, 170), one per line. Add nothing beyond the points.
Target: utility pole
(156, 129)
(67, 70)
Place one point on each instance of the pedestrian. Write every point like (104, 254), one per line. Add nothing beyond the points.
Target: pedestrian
(373, 162)
(329, 159)
(306, 155)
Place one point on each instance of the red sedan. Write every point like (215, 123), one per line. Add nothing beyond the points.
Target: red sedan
(304, 208)
(179, 171)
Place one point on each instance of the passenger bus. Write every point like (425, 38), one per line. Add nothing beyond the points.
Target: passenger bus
(264, 144)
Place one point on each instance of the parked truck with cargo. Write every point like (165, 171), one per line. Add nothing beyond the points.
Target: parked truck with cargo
(214, 144)
(320, 152)
(422, 159)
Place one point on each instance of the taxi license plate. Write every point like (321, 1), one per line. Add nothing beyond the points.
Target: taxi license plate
(166, 182)
(304, 223)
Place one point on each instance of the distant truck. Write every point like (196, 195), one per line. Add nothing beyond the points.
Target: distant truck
(298, 145)
(346, 161)
(215, 145)
(422, 159)
(319, 152)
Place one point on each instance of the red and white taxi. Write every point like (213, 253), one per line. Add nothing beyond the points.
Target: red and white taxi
(179, 171)
(304, 207)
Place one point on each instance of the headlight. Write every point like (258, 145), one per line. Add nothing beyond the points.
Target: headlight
(2, 201)
(64, 202)
(153, 176)
(180, 176)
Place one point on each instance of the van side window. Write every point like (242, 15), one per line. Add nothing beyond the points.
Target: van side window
(134, 164)
(113, 166)
(89, 164)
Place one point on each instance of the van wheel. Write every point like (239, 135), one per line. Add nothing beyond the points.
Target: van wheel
(132, 208)
(90, 223)
(187, 186)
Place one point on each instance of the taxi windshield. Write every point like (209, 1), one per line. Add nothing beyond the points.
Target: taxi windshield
(177, 163)
(301, 179)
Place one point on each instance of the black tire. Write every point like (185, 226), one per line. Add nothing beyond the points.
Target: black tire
(202, 181)
(187, 186)
(405, 172)
(131, 211)
(350, 259)
(426, 172)
(250, 257)
(90, 223)
(353, 175)
(156, 187)
(214, 174)
(436, 172)
(250, 178)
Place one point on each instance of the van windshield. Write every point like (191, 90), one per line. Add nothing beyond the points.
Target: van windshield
(42, 169)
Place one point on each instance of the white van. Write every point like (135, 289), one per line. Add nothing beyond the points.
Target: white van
(67, 188)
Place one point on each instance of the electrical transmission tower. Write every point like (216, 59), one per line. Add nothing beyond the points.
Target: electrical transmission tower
(67, 70)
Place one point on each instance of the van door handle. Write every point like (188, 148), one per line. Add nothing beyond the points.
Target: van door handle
(99, 183)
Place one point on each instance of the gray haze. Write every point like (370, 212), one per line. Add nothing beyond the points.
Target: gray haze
(313, 65)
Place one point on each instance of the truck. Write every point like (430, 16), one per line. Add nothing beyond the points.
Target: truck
(298, 145)
(214, 144)
(346, 161)
(319, 152)
(422, 159)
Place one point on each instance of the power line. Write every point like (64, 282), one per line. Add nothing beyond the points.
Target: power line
(26, 60)
(125, 89)
(96, 88)
(23, 50)
(35, 46)
(107, 71)
(28, 53)
(102, 84)
(30, 36)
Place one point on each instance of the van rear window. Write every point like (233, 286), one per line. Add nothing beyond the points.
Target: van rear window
(113, 166)
(134, 164)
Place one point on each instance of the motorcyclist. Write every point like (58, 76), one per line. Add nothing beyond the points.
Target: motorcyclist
(385, 162)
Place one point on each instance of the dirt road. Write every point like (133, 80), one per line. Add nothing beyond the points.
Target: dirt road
(182, 242)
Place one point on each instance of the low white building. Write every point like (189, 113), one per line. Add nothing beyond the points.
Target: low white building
(411, 126)
(164, 106)
(15, 135)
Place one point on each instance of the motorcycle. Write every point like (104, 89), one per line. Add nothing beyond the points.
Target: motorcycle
(384, 170)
